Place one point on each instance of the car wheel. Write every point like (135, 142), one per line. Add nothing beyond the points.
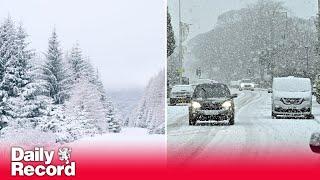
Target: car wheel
(231, 120)
(240, 89)
(192, 121)
(172, 102)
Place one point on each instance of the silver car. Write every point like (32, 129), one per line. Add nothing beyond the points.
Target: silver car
(181, 94)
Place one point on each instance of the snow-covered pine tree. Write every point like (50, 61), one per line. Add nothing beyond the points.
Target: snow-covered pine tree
(80, 65)
(16, 79)
(56, 72)
(7, 41)
(34, 103)
(85, 113)
(171, 42)
(83, 69)
(113, 123)
(100, 88)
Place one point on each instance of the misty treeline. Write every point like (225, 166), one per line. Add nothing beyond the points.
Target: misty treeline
(55, 92)
(260, 41)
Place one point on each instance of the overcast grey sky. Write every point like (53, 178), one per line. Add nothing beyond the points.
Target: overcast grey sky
(203, 14)
(124, 38)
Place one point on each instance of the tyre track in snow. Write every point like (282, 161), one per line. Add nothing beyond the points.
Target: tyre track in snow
(201, 136)
(260, 128)
(254, 96)
(250, 130)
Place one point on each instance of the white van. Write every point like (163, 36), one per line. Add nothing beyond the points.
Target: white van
(291, 97)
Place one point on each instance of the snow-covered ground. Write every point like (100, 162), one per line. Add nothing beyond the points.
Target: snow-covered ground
(255, 134)
(134, 136)
(133, 146)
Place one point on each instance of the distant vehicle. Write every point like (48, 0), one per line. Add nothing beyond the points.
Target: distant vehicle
(185, 81)
(180, 94)
(246, 84)
(235, 84)
(212, 101)
(291, 97)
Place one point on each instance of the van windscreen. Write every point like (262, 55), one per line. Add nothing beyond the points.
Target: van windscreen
(292, 84)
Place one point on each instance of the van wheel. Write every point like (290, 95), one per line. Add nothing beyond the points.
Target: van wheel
(231, 120)
(310, 116)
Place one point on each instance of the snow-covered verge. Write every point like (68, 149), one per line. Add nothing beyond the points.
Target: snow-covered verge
(133, 146)
(127, 137)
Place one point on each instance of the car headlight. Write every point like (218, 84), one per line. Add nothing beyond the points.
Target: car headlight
(195, 105)
(227, 104)
(306, 99)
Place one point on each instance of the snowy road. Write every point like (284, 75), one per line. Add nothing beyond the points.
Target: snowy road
(255, 135)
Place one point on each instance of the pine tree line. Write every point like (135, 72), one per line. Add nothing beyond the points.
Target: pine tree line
(150, 113)
(63, 94)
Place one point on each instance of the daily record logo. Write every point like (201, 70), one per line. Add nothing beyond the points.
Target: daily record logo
(21, 161)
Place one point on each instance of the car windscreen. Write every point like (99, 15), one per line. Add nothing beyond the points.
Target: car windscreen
(206, 91)
(292, 85)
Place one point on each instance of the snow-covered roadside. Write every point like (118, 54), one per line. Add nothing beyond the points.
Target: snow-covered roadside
(128, 136)
(133, 146)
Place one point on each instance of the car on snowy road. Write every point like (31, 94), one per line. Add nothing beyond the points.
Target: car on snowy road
(212, 101)
(180, 94)
(246, 84)
(291, 97)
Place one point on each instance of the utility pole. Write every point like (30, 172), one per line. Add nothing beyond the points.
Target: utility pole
(307, 57)
(318, 23)
(180, 45)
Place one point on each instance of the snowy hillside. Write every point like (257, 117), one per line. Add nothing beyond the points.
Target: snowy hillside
(125, 102)
(150, 112)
